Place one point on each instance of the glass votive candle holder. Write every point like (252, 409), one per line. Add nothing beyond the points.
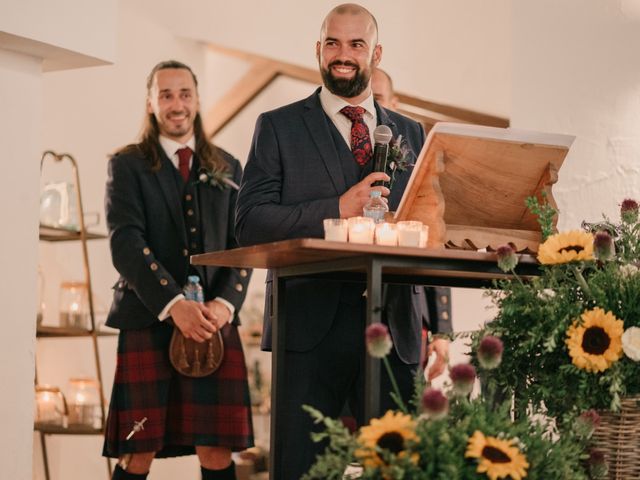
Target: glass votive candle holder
(84, 403)
(336, 229)
(409, 232)
(386, 234)
(361, 230)
(50, 406)
(74, 305)
(424, 236)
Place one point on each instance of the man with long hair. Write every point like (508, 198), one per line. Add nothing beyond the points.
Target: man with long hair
(309, 161)
(170, 196)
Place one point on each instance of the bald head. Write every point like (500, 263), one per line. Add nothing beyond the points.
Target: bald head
(382, 88)
(351, 9)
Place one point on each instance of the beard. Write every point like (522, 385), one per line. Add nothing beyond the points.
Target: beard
(345, 87)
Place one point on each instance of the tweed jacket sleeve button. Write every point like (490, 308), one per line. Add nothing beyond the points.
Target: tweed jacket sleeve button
(164, 282)
(185, 252)
(243, 273)
(444, 316)
(146, 251)
(153, 266)
(444, 299)
(239, 287)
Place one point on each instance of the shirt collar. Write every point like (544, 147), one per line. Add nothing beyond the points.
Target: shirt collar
(332, 104)
(170, 146)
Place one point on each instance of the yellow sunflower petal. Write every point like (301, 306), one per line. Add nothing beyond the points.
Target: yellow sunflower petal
(496, 457)
(595, 340)
(393, 426)
(575, 245)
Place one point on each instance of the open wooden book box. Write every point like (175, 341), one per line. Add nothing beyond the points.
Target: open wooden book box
(470, 183)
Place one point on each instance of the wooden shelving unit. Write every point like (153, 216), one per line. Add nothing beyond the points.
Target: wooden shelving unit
(81, 235)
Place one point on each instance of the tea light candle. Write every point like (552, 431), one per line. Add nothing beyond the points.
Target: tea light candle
(424, 236)
(361, 230)
(335, 229)
(386, 234)
(409, 233)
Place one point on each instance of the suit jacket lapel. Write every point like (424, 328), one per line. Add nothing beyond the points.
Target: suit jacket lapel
(166, 179)
(316, 122)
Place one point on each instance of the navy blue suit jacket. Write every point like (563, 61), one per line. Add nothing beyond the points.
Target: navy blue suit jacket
(148, 237)
(297, 169)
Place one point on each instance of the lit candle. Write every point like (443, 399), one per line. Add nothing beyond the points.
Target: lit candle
(386, 234)
(335, 229)
(361, 230)
(424, 236)
(409, 233)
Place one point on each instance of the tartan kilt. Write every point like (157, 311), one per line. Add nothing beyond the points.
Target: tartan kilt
(181, 412)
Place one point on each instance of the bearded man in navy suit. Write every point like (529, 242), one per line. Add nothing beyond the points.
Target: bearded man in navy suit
(304, 166)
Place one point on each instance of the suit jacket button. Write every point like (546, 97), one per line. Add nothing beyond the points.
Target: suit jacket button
(239, 287)
(187, 197)
(190, 212)
(164, 282)
(146, 250)
(192, 229)
(153, 266)
(243, 273)
(185, 252)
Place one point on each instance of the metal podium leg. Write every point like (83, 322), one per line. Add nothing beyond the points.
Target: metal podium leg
(371, 364)
(278, 325)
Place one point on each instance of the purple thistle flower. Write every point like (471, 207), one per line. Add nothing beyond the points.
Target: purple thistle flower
(629, 210)
(507, 258)
(435, 403)
(463, 376)
(378, 340)
(586, 423)
(490, 352)
(603, 247)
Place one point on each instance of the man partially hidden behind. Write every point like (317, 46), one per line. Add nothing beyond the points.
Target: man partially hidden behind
(161, 208)
(309, 161)
(438, 319)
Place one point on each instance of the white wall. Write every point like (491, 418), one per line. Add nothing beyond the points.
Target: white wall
(20, 77)
(576, 72)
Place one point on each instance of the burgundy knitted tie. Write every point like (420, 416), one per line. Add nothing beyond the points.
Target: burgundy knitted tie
(360, 139)
(184, 155)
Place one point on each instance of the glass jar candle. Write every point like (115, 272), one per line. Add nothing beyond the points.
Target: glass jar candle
(74, 305)
(361, 230)
(50, 406)
(84, 403)
(409, 233)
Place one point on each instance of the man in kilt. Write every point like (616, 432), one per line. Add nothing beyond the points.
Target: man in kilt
(168, 197)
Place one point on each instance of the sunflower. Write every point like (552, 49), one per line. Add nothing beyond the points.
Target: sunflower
(566, 247)
(390, 433)
(596, 342)
(497, 458)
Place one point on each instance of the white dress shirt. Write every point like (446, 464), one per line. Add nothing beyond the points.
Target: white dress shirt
(332, 104)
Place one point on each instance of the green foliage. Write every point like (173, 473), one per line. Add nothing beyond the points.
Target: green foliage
(533, 320)
(545, 213)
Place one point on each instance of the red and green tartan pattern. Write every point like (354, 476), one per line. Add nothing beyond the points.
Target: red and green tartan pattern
(181, 412)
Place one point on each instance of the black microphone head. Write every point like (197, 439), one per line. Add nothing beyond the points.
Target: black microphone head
(382, 135)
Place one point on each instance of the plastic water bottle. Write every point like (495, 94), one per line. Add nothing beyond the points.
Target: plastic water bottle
(376, 207)
(193, 289)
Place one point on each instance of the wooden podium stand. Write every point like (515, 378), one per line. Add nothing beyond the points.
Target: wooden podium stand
(370, 264)
(470, 183)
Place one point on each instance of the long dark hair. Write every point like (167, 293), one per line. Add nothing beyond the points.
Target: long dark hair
(208, 154)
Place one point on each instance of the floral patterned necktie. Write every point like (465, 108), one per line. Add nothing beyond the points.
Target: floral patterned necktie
(184, 155)
(360, 139)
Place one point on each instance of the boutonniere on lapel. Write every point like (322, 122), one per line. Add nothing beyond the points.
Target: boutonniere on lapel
(216, 178)
(399, 158)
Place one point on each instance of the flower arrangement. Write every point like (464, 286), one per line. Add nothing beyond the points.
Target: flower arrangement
(572, 335)
(216, 178)
(448, 435)
(399, 158)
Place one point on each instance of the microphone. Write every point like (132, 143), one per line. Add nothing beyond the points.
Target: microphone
(381, 137)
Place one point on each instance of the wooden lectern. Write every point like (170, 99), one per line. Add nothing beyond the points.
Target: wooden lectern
(483, 173)
(470, 183)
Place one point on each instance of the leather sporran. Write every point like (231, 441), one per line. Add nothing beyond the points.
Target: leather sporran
(194, 359)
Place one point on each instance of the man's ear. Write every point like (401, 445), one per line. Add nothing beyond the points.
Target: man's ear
(149, 107)
(318, 51)
(377, 55)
